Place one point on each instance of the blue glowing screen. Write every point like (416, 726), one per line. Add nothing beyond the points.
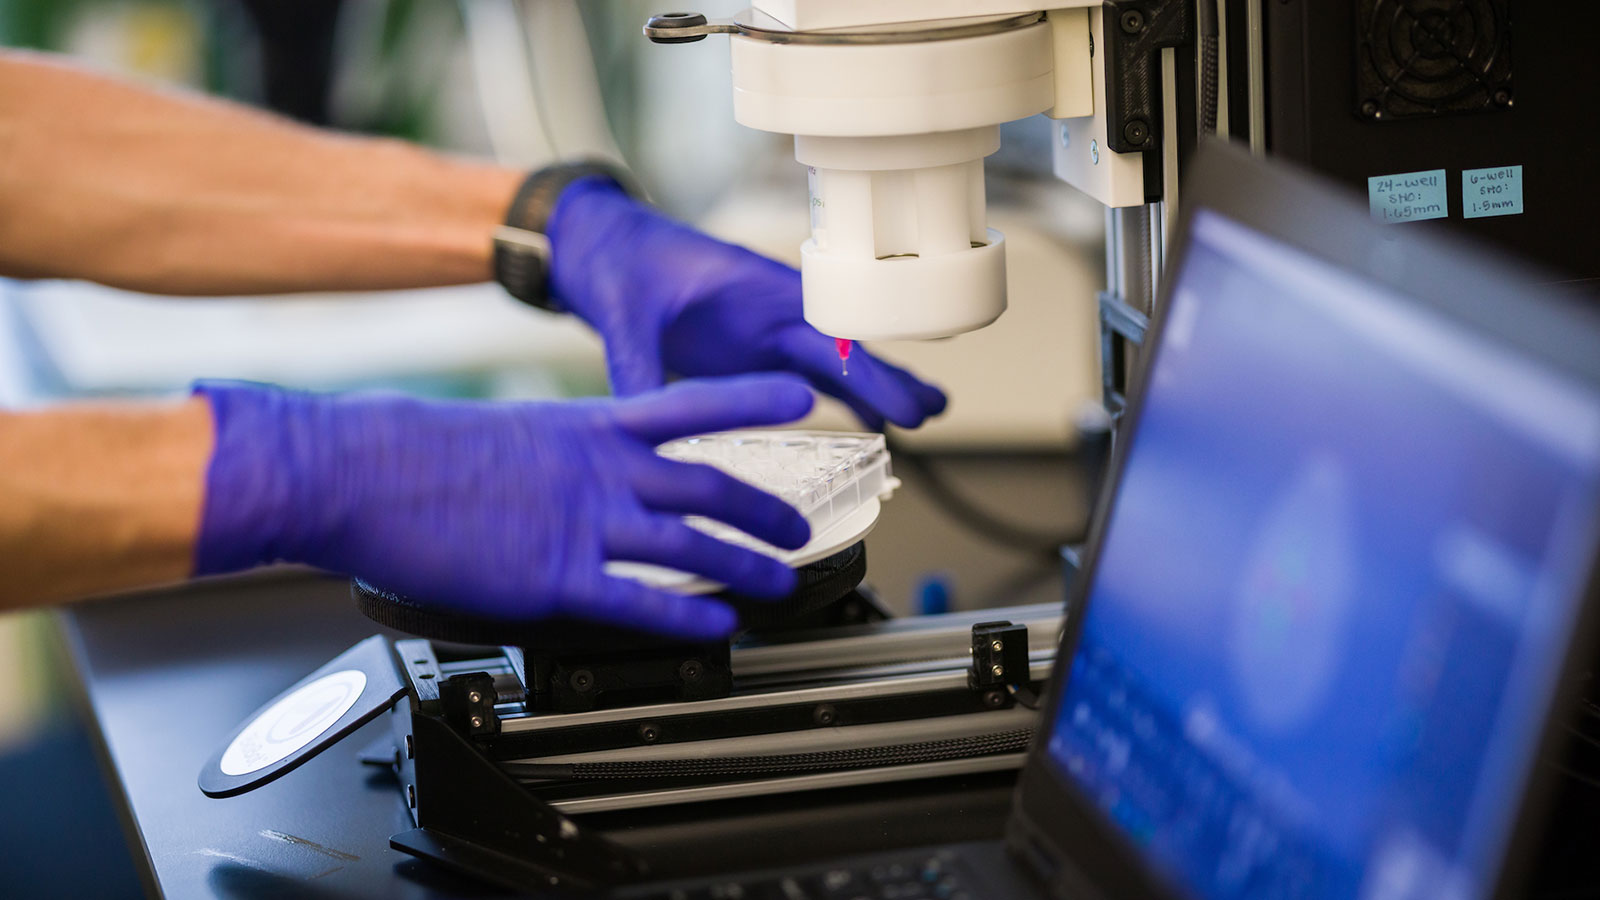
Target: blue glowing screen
(1347, 548)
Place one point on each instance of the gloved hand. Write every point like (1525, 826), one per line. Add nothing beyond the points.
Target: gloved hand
(667, 298)
(504, 510)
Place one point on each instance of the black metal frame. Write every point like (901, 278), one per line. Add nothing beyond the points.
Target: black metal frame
(1122, 331)
(474, 818)
(473, 814)
(1135, 33)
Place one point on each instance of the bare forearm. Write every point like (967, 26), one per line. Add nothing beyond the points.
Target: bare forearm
(99, 499)
(176, 193)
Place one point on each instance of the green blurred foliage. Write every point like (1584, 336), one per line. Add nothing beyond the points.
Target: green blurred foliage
(396, 49)
(36, 23)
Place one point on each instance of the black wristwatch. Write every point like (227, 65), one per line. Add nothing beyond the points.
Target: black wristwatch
(521, 249)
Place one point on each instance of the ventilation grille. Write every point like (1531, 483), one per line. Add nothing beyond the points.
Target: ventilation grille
(1432, 57)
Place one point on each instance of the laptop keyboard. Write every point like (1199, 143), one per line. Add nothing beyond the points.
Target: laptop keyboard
(925, 877)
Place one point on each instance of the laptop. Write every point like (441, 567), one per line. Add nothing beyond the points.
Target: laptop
(1342, 585)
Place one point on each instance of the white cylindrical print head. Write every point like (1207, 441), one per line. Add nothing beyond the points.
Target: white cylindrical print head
(894, 136)
(899, 248)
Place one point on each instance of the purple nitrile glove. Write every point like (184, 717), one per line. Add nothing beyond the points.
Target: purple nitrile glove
(504, 510)
(665, 297)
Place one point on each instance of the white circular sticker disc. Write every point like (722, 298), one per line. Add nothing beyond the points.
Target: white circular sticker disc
(293, 722)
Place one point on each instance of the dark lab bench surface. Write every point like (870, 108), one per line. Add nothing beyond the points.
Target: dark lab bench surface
(167, 675)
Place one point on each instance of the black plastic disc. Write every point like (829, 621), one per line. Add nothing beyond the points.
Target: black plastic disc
(821, 584)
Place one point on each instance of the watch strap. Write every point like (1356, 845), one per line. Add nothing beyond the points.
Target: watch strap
(521, 247)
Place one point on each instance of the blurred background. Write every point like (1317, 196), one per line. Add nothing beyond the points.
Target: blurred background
(529, 81)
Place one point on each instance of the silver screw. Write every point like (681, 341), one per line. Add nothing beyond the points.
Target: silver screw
(1094, 152)
(474, 697)
(477, 721)
(1066, 135)
(997, 671)
(997, 646)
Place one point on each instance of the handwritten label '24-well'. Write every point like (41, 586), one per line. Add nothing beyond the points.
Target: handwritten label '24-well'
(1409, 197)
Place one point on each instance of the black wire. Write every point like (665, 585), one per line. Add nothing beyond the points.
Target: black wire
(1576, 734)
(1575, 775)
(979, 521)
(1034, 571)
(1206, 14)
(1024, 695)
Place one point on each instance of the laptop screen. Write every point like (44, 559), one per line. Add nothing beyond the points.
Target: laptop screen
(1348, 544)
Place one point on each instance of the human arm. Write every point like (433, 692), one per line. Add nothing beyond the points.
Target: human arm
(99, 498)
(502, 510)
(171, 192)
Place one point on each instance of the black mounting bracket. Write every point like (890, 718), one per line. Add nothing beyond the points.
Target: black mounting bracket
(999, 655)
(1135, 33)
(474, 818)
(468, 700)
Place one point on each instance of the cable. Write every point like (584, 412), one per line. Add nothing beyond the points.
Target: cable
(1033, 572)
(1574, 775)
(1024, 695)
(1578, 735)
(1206, 13)
(976, 519)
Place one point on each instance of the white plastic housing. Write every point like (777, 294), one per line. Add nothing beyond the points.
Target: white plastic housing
(1080, 156)
(810, 15)
(894, 136)
(899, 248)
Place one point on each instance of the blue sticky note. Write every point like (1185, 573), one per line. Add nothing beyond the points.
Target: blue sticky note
(1410, 196)
(1491, 192)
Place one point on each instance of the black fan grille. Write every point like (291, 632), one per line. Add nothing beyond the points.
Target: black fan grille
(1432, 57)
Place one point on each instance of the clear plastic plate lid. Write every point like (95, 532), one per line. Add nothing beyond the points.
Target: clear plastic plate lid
(825, 475)
(835, 480)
